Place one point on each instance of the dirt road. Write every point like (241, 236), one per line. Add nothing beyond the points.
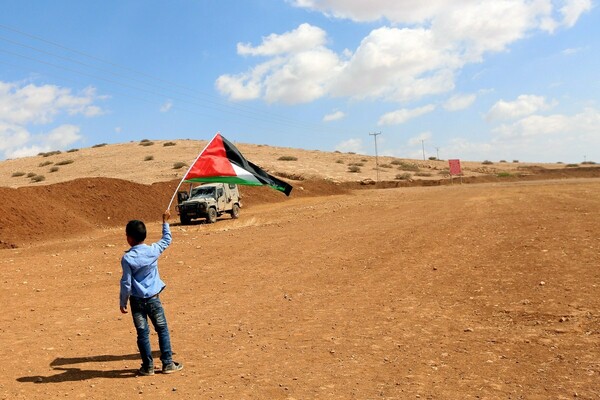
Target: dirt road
(485, 291)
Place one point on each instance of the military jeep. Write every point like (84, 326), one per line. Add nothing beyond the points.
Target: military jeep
(208, 201)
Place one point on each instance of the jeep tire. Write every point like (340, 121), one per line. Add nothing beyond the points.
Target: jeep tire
(235, 211)
(211, 216)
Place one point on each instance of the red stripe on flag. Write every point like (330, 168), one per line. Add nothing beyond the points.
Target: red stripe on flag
(212, 162)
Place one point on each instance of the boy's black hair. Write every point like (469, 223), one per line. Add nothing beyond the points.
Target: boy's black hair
(136, 229)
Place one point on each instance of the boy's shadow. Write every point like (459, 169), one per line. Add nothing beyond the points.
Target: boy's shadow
(77, 374)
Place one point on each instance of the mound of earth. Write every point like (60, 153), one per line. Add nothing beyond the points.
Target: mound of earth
(71, 208)
(34, 213)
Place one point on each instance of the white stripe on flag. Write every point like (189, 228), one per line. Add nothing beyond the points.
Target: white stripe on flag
(243, 174)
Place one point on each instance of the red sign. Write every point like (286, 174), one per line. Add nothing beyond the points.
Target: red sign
(454, 167)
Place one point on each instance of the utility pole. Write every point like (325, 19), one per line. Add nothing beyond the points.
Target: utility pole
(423, 146)
(437, 152)
(375, 134)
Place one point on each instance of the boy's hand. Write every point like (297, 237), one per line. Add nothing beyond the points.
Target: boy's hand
(166, 216)
(123, 310)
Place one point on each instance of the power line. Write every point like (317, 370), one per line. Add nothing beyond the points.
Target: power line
(224, 109)
(218, 105)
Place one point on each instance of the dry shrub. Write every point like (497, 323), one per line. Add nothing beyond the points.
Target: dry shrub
(65, 162)
(353, 168)
(38, 178)
(167, 144)
(403, 177)
(289, 175)
(54, 169)
(406, 166)
(49, 153)
(18, 173)
(148, 158)
(288, 158)
(45, 163)
(179, 165)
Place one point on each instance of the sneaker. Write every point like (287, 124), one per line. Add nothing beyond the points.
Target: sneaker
(173, 367)
(146, 371)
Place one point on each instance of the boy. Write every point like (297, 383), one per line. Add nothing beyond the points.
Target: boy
(141, 284)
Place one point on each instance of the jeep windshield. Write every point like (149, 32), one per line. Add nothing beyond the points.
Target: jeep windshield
(200, 192)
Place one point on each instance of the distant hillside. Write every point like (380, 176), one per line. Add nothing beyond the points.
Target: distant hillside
(154, 161)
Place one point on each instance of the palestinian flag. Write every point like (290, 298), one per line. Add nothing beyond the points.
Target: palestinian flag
(221, 161)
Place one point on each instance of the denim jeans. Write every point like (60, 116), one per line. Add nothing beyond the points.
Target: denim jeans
(141, 310)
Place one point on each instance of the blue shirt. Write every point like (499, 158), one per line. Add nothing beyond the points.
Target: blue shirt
(140, 268)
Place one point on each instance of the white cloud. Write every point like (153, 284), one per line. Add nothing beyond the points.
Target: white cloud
(573, 9)
(23, 144)
(334, 116)
(418, 140)
(401, 116)
(299, 73)
(571, 51)
(459, 102)
(22, 105)
(406, 11)
(470, 150)
(33, 104)
(585, 123)
(26, 151)
(167, 106)
(418, 55)
(118, 129)
(351, 145)
(12, 135)
(489, 26)
(304, 77)
(396, 64)
(522, 106)
(552, 138)
(62, 136)
(303, 38)
(239, 87)
(420, 12)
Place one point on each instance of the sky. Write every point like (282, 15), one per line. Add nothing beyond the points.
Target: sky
(469, 79)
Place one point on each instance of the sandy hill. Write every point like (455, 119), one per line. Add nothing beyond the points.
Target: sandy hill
(153, 161)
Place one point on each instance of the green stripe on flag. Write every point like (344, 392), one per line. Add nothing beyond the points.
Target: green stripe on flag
(225, 179)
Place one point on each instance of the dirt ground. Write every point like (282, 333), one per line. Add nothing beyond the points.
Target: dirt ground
(473, 291)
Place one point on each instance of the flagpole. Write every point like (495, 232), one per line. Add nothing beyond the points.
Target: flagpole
(188, 170)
